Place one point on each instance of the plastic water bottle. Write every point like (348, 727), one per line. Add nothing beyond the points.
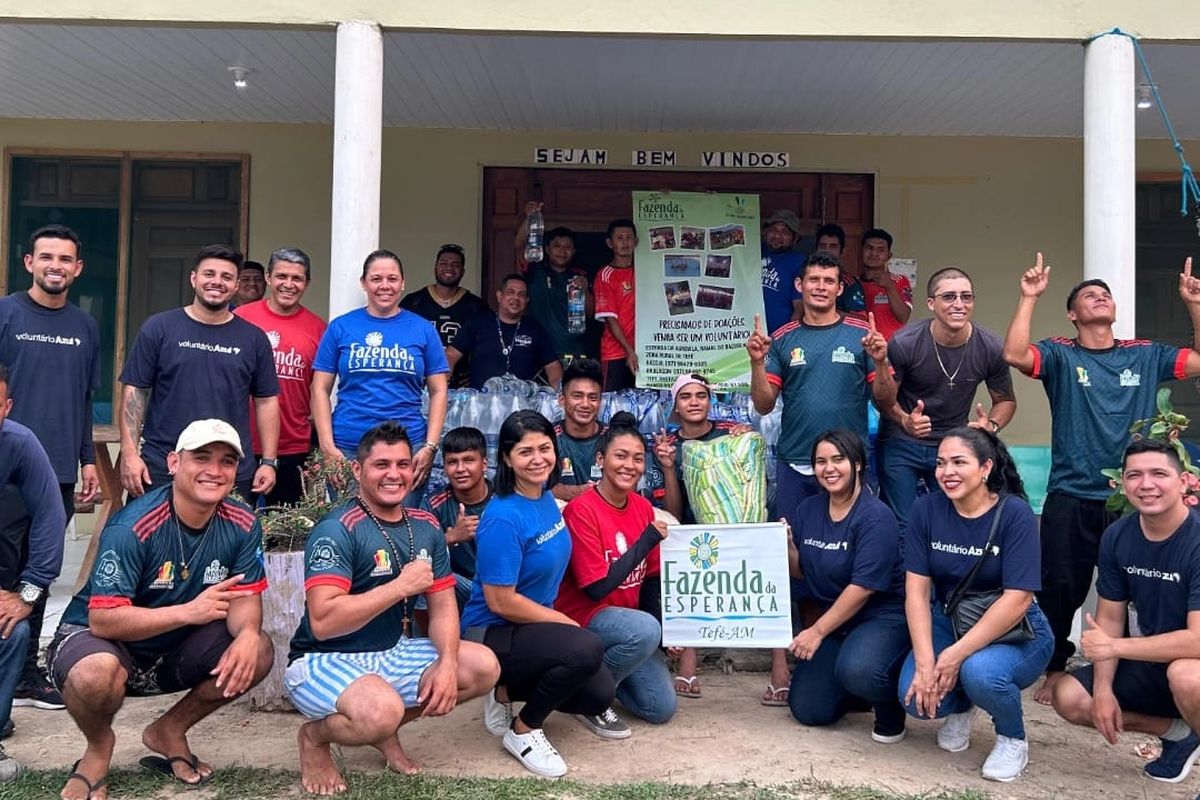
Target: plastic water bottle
(576, 309)
(533, 245)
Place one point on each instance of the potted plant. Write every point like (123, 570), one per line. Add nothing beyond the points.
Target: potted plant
(1165, 426)
(285, 531)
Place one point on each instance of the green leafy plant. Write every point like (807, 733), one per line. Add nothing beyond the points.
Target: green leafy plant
(1165, 426)
(286, 528)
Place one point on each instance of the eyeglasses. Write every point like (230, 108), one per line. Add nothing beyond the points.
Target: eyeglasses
(950, 297)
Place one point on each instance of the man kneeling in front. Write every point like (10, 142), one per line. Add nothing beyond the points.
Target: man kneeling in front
(173, 604)
(1148, 683)
(354, 669)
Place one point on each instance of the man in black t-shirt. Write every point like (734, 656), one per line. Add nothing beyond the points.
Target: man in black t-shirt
(173, 604)
(355, 670)
(1148, 683)
(506, 342)
(199, 361)
(447, 304)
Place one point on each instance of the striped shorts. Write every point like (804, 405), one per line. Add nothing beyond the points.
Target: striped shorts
(315, 681)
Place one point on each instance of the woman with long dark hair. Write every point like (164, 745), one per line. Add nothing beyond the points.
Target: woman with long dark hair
(846, 546)
(977, 540)
(614, 550)
(522, 549)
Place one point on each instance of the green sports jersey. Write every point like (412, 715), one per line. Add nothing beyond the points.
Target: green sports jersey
(578, 456)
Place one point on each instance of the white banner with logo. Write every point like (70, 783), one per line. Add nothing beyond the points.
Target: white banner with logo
(726, 586)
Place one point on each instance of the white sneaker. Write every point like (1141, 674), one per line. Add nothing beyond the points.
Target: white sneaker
(497, 716)
(955, 734)
(535, 753)
(1007, 759)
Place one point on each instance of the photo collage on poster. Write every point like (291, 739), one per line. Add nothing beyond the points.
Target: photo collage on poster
(697, 265)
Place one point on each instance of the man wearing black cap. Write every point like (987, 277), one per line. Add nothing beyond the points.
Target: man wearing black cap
(782, 264)
(446, 304)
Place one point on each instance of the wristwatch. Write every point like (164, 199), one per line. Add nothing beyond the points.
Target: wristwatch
(432, 446)
(273, 463)
(29, 593)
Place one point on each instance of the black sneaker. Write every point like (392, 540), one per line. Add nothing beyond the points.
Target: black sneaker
(37, 692)
(8, 729)
(606, 725)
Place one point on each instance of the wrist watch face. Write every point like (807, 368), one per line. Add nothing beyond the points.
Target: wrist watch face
(29, 593)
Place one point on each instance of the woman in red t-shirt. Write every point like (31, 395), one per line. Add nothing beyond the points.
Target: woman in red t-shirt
(614, 550)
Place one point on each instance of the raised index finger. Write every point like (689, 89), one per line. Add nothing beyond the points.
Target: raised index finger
(1187, 267)
(757, 324)
(1038, 263)
(871, 321)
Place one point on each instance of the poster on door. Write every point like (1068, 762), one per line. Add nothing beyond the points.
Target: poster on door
(726, 586)
(699, 285)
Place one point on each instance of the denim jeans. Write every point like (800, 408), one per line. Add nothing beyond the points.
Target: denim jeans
(631, 639)
(12, 656)
(790, 488)
(902, 464)
(864, 662)
(991, 678)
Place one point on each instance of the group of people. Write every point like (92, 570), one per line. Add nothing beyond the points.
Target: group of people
(939, 597)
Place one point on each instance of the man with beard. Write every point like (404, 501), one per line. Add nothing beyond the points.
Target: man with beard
(580, 429)
(782, 264)
(1097, 386)
(937, 364)
(52, 350)
(294, 333)
(251, 284)
(173, 604)
(199, 360)
(506, 342)
(447, 304)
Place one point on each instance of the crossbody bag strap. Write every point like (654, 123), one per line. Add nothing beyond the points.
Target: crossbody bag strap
(965, 584)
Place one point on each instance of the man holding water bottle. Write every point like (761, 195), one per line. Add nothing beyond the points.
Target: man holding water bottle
(554, 282)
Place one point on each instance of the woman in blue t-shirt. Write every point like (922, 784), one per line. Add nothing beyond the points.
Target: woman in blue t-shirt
(522, 551)
(947, 676)
(846, 546)
(382, 358)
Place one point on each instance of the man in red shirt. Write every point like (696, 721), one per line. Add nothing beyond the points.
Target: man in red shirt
(615, 307)
(294, 333)
(888, 296)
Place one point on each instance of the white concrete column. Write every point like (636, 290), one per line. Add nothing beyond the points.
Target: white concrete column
(357, 159)
(1109, 173)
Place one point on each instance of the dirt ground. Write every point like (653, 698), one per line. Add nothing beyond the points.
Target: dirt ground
(725, 736)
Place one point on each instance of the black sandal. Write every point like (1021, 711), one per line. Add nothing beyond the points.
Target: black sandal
(166, 767)
(92, 788)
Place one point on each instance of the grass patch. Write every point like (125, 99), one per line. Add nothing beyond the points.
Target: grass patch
(253, 783)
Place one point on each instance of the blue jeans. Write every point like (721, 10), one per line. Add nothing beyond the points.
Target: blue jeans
(863, 662)
(991, 678)
(12, 657)
(790, 488)
(631, 639)
(902, 464)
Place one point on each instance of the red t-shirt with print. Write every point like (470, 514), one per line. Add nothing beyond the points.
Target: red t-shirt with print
(877, 301)
(614, 292)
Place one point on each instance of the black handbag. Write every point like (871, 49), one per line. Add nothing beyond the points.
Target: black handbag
(965, 608)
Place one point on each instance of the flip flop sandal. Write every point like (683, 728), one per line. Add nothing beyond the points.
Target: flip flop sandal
(690, 687)
(92, 788)
(779, 697)
(165, 766)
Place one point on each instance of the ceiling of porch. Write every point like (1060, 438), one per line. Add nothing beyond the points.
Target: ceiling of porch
(528, 82)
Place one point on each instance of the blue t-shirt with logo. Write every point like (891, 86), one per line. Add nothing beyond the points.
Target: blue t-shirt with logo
(485, 338)
(1161, 579)
(824, 376)
(53, 358)
(198, 371)
(779, 273)
(943, 545)
(862, 548)
(519, 542)
(381, 365)
(1095, 395)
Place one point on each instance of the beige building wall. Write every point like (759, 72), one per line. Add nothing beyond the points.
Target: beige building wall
(986, 204)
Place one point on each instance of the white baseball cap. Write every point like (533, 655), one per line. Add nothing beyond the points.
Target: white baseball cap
(207, 431)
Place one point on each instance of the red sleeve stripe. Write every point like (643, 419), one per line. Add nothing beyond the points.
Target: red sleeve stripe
(441, 584)
(243, 518)
(258, 587)
(1181, 363)
(101, 601)
(774, 380)
(352, 517)
(439, 499)
(855, 322)
(424, 516)
(785, 328)
(151, 520)
(1036, 372)
(327, 580)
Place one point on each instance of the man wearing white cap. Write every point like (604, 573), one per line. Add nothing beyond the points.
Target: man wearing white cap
(173, 604)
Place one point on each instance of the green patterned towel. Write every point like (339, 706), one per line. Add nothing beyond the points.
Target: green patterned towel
(726, 479)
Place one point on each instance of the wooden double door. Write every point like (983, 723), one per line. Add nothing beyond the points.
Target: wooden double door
(587, 200)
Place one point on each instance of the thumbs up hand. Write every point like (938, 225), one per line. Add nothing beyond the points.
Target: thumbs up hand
(1097, 644)
(463, 529)
(917, 423)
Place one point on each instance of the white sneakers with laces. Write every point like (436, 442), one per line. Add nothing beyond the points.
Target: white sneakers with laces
(497, 716)
(955, 734)
(535, 753)
(1007, 759)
